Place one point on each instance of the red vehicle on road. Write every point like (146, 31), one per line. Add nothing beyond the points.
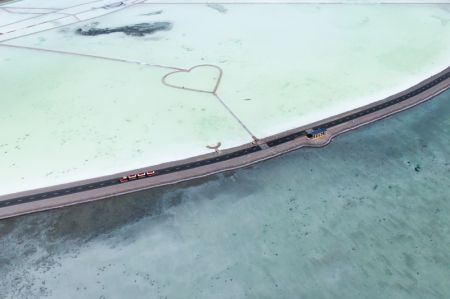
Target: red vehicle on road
(136, 176)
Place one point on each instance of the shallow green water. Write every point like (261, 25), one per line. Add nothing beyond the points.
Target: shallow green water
(365, 217)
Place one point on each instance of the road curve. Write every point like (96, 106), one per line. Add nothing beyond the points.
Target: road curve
(170, 173)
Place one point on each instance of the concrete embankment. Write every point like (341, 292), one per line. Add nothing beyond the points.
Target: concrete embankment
(201, 166)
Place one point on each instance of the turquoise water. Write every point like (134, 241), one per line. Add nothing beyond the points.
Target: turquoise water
(365, 217)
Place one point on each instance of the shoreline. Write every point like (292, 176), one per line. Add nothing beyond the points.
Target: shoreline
(330, 112)
(205, 165)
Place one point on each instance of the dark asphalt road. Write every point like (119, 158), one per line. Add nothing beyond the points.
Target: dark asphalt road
(221, 158)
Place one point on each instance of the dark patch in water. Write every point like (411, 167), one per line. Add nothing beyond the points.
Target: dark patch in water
(140, 29)
(152, 13)
(113, 5)
(417, 168)
(218, 7)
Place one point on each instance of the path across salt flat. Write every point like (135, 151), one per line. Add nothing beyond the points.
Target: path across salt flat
(102, 107)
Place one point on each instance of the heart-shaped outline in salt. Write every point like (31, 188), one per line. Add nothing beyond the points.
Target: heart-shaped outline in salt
(213, 91)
